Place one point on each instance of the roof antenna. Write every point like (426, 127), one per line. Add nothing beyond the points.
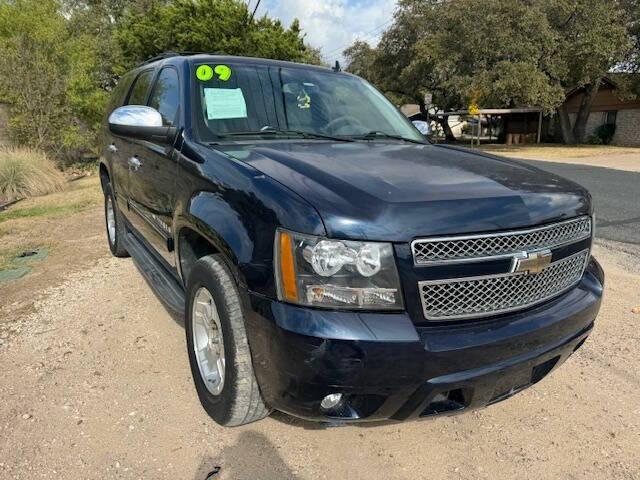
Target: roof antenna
(336, 67)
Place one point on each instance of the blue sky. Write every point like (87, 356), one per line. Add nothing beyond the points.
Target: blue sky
(333, 24)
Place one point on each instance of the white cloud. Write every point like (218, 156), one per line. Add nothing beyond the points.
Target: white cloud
(333, 25)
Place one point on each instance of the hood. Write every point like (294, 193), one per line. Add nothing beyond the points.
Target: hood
(399, 191)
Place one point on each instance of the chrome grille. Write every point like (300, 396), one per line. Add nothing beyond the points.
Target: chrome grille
(475, 247)
(474, 297)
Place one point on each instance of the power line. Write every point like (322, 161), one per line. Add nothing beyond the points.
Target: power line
(254, 11)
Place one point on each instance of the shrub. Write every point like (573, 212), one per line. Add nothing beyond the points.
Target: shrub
(603, 135)
(594, 140)
(25, 172)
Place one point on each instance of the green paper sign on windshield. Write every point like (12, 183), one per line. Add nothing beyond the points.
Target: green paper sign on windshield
(223, 72)
(204, 73)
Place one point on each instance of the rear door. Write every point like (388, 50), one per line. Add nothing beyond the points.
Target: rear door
(152, 172)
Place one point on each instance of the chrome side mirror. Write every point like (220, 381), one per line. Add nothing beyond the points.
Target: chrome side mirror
(139, 121)
(422, 126)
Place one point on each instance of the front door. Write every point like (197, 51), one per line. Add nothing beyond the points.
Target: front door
(152, 173)
(124, 149)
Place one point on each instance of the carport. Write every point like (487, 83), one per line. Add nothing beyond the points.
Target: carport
(519, 125)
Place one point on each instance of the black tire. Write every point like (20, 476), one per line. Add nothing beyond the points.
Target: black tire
(116, 244)
(239, 402)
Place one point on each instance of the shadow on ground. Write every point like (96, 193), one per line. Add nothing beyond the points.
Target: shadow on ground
(252, 457)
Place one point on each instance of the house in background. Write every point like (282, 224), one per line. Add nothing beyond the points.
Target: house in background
(608, 108)
(527, 125)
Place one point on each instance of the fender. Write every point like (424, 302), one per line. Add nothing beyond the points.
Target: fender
(219, 222)
(240, 224)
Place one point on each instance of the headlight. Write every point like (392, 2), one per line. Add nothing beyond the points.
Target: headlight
(321, 272)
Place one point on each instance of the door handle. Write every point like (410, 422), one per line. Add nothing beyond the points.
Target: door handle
(134, 163)
(112, 148)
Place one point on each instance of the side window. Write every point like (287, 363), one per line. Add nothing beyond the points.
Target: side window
(138, 95)
(166, 95)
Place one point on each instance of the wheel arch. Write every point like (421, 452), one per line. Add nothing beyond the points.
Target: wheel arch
(105, 175)
(194, 241)
(191, 245)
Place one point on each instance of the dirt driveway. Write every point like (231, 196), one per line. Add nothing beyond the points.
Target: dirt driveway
(95, 383)
(619, 158)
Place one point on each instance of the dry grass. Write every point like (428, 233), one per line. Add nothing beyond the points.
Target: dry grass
(80, 195)
(26, 172)
(557, 151)
(53, 221)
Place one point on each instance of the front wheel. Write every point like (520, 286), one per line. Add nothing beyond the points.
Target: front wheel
(115, 224)
(217, 345)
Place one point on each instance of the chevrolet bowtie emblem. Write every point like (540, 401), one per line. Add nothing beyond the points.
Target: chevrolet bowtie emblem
(533, 262)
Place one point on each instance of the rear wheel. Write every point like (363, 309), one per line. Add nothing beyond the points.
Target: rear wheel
(114, 223)
(217, 345)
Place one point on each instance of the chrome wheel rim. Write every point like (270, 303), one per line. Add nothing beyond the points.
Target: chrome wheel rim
(208, 344)
(111, 221)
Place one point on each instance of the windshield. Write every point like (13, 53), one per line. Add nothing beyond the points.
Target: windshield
(236, 100)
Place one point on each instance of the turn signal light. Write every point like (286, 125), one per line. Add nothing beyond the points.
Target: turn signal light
(287, 268)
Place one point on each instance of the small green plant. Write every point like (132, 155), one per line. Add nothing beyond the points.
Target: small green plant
(25, 172)
(603, 135)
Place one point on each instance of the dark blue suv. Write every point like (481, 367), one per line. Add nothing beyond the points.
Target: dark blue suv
(327, 260)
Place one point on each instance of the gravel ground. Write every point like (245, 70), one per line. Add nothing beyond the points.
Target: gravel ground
(95, 384)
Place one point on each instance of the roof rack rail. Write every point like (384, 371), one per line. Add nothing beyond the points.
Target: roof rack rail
(160, 56)
(169, 54)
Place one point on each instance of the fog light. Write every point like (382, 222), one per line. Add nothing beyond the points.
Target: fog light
(331, 401)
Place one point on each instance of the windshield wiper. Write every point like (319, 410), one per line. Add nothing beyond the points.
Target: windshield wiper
(372, 135)
(274, 131)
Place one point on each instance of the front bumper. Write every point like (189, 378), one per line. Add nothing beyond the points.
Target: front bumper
(387, 368)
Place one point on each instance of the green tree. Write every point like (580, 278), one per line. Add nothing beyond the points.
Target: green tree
(361, 58)
(224, 26)
(32, 67)
(633, 25)
(60, 59)
(49, 77)
(631, 64)
(592, 39)
(500, 54)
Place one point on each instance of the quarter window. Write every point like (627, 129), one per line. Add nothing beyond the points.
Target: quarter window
(138, 95)
(119, 93)
(166, 96)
